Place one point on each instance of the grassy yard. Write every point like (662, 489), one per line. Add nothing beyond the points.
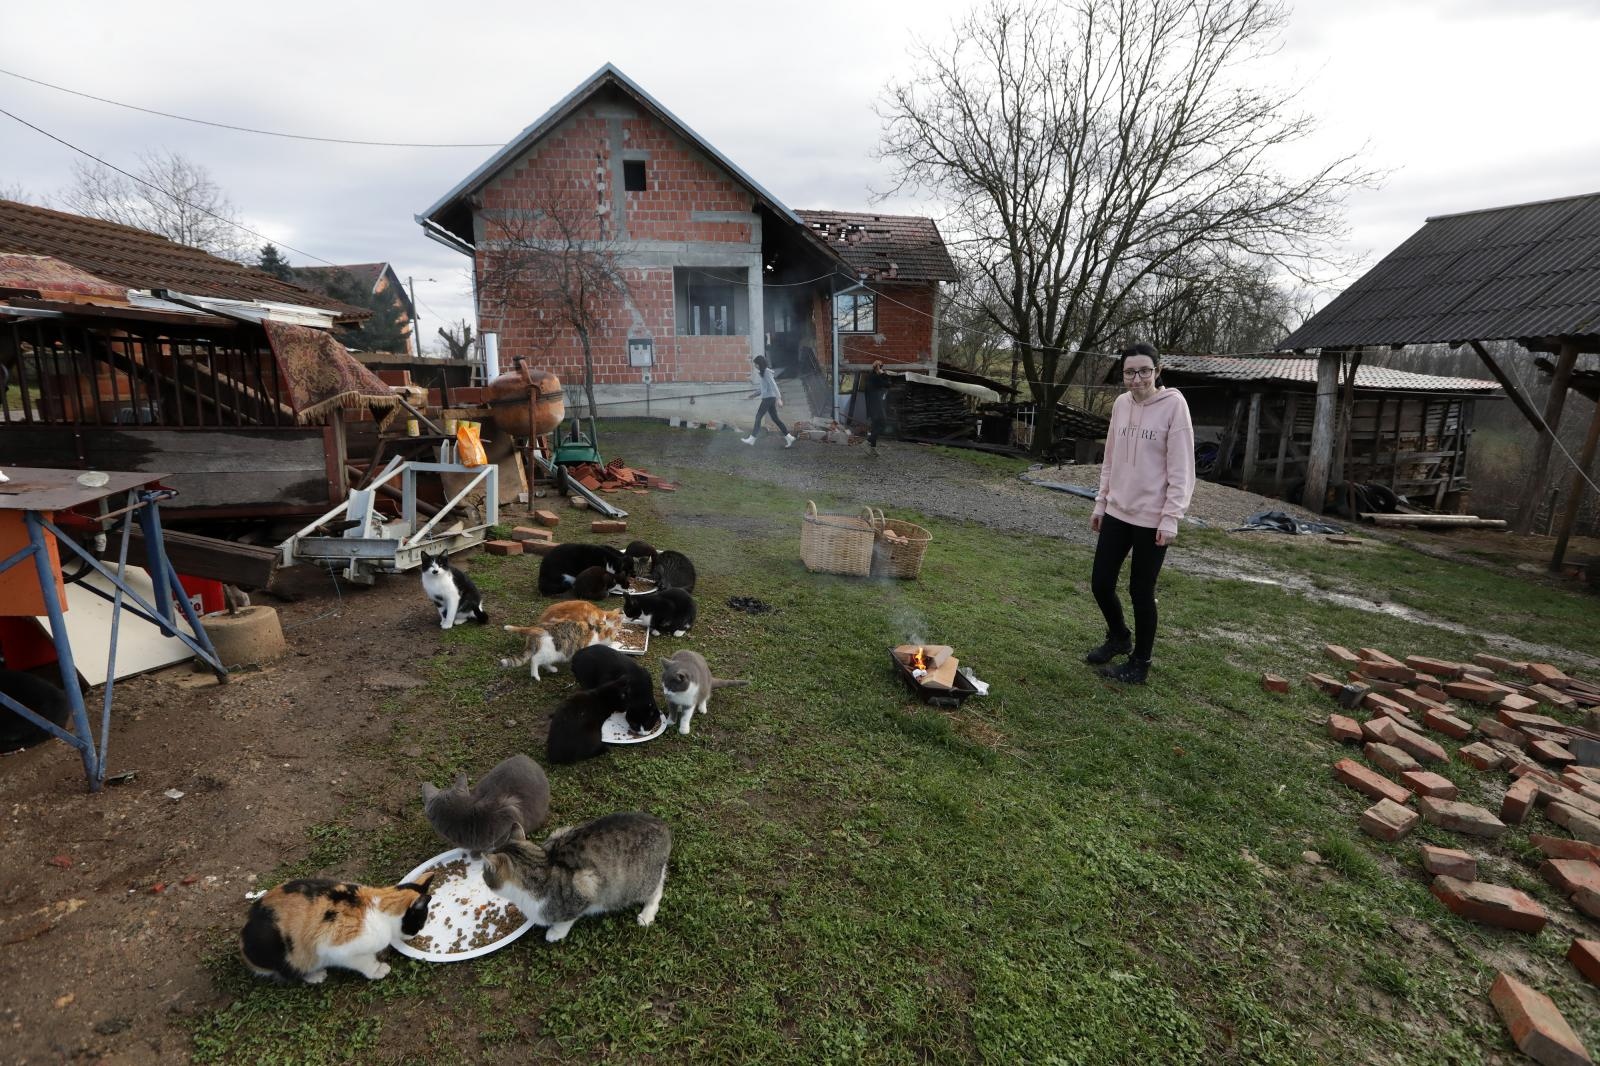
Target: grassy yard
(1063, 871)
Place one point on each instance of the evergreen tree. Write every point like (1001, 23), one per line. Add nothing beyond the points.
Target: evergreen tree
(272, 263)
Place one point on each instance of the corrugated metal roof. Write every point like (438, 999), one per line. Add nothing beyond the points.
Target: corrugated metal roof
(885, 247)
(1528, 270)
(137, 259)
(1302, 370)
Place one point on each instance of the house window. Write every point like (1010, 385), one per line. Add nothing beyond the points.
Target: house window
(711, 302)
(856, 312)
(633, 175)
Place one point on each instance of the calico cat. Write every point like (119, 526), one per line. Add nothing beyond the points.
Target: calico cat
(559, 569)
(672, 570)
(555, 642)
(514, 795)
(451, 591)
(576, 721)
(668, 611)
(687, 683)
(39, 696)
(298, 930)
(593, 584)
(594, 666)
(613, 862)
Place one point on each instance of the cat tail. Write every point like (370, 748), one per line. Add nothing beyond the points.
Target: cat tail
(722, 682)
(522, 629)
(480, 614)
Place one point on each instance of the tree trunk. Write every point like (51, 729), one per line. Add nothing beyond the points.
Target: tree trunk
(588, 371)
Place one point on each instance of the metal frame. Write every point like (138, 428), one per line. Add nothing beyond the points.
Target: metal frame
(141, 505)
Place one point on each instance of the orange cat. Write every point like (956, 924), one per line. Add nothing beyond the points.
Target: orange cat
(581, 611)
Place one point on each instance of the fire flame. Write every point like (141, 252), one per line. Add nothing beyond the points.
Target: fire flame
(919, 661)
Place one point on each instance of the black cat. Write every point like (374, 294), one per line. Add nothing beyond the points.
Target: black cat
(576, 721)
(600, 664)
(593, 584)
(39, 696)
(562, 566)
(668, 611)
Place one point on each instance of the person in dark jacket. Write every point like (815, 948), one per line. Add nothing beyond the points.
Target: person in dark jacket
(877, 390)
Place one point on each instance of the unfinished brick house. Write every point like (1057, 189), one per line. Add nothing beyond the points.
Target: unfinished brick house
(611, 218)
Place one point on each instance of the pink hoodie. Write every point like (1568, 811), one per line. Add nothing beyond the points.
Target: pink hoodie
(1148, 474)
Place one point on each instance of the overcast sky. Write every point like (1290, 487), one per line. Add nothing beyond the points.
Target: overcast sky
(1467, 103)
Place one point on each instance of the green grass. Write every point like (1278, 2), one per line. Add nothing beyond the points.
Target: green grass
(1062, 871)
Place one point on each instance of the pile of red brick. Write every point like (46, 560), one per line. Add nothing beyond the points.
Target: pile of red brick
(616, 476)
(539, 540)
(1408, 700)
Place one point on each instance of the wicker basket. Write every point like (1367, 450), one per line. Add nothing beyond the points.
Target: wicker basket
(898, 558)
(836, 543)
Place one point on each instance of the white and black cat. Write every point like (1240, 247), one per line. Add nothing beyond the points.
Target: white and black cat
(451, 591)
(687, 683)
(559, 569)
(597, 665)
(514, 795)
(666, 611)
(613, 862)
(576, 721)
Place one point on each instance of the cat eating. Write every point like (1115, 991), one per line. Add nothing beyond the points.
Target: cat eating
(451, 591)
(514, 795)
(300, 929)
(575, 724)
(595, 666)
(687, 683)
(668, 569)
(667, 611)
(559, 569)
(550, 643)
(605, 865)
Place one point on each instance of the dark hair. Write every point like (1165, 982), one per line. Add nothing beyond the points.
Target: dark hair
(1141, 349)
(760, 361)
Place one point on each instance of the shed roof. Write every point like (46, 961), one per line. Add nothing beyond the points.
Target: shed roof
(137, 259)
(366, 275)
(885, 247)
(1527, 271)
(1302, 370)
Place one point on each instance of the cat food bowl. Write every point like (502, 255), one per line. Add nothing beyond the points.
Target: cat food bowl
(614, 730)
(636, 586)
(632, 638)
(466, 918)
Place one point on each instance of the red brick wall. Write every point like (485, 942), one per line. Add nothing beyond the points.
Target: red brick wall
(905, 322)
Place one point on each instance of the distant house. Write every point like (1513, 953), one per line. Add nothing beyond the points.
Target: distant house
(715, 270)
(376, 283)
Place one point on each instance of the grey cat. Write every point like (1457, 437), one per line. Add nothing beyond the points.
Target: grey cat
(605, 865)
(512, 798)
(687, 683)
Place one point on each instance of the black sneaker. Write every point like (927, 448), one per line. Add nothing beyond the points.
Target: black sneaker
(1131, 672)
(1113, 647)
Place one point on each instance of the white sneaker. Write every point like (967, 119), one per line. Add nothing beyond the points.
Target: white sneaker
(788, 440)
(751, 439)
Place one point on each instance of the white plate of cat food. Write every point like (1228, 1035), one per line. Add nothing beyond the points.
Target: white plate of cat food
(632, 638)
(616, 730)
(638, 586)
(466, 918)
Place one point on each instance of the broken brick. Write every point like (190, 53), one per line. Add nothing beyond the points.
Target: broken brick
(1550, 752)
(1497, 664)
(1547, 695)
(503, 547)
(1377, 701)
(1460, 817)
(1430, 692)
(1536, 1026)
(1442, 721)
(1569, 875)
(1341, 655)
(1521, 719)
(1480, 756)
(1428, 783)
(527, 533)
(1409, 699)
(1545, 674)
(1357, 678)
(1563, 848)
(1475, 672)
(539, 547)
(608, 525)
(1451, 862)
(1344, 730)
(1330, 686)
(1585, 958)
(1418, 746)
(1495, 905)
(1274, 683)
(547, 518)
(1519, 800)
(1390, 759)
(1585, 827)
(1387, 820)
(1514, 702)
(1373, 655)
(1381, 729)
(1473, 691)
(1368, 782)
(1493, 727)
(1395, 672)
(1434, 667)
(1587, 900)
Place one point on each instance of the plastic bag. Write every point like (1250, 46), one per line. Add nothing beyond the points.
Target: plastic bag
(469, 449)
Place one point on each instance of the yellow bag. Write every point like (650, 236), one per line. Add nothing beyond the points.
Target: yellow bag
(469, 449)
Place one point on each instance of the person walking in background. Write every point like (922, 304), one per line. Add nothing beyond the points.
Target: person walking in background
(1145, 486)
(771, 400)
(877, 390)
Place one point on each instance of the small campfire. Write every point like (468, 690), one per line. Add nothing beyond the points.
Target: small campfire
(931, 671)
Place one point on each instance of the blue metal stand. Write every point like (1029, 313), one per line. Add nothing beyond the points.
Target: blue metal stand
(142, 505)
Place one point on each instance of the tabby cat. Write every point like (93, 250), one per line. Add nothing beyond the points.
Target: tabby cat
(298, 930)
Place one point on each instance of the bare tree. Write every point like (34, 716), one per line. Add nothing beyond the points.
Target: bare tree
(18, 193)
(560, 258)
(458, 339)
(174, 197)
(1085, 148)
(1236, 307)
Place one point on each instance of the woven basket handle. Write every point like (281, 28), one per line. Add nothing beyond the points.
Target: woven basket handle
(874, 517)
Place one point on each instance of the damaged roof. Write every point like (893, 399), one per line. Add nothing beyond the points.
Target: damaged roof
(885, 247)
(1302, 370)
(137, 259)
(1525, 271)
(365, 275)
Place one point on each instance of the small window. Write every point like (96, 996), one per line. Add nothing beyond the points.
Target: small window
(856, 312)
(633, 175)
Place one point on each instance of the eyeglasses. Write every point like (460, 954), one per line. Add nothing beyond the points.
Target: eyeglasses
(1143, 372)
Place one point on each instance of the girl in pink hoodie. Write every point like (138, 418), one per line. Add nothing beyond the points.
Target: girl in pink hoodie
(1145, 485)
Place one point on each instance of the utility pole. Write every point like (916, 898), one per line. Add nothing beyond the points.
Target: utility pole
(416, 319)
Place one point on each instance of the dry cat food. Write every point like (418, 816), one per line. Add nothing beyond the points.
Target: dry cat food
(631, 638)
(460, 918)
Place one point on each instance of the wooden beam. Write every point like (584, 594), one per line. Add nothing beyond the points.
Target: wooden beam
(1229, 435)
(1513, 391)
(1252, 440)
(1347, 410)
(1539, 476)
(1320, 459)
(1580, 482)
(1285, 436)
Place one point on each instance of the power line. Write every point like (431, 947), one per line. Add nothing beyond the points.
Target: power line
(164, 192)
(241, 129)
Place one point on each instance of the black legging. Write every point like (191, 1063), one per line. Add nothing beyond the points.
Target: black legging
(769, 406)
(1116, 539)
